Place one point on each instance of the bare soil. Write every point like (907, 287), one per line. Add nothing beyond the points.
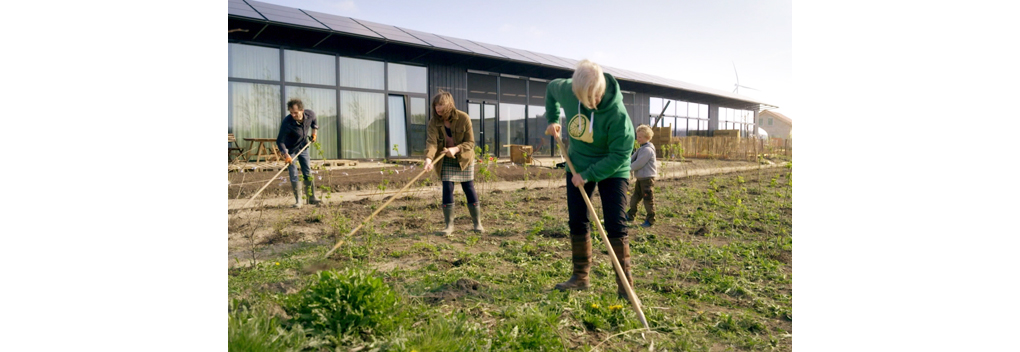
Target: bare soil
(394, 176)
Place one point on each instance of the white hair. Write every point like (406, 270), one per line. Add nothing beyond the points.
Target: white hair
(589, 84)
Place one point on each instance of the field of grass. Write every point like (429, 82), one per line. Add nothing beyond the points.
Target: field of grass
(713, 274)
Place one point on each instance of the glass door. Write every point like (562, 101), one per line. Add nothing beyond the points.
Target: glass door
(483, 124)
(397, 126)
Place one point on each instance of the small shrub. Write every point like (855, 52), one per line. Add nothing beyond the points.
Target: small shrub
(343, 302)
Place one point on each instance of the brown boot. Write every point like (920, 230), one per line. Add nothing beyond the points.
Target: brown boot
(622, 249)
(581, 256)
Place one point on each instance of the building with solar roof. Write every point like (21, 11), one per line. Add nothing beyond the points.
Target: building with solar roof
(370, 85)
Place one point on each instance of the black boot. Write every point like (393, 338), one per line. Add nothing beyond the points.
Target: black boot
(476, 215)
(310, 191)
(297, 195)
(448, 215)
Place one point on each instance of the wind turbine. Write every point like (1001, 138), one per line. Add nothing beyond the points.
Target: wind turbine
(736, 86)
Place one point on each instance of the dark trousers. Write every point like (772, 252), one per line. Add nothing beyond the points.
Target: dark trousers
(469, 192)
(643, 191)
(613, 192)
(306, 169)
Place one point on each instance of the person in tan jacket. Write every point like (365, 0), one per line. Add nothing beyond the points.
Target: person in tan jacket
(451, 129)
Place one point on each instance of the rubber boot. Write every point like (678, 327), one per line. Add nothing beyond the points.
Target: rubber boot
(476, 215)
(581, 256)
(622, 250)
(448, 215)
(310, 191)
(297, 195)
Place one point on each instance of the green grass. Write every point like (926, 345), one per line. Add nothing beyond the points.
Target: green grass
(714, 273)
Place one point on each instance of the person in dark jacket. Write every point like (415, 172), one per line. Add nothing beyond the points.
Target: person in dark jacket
(601, 139)
(451, 129)
(294, 135)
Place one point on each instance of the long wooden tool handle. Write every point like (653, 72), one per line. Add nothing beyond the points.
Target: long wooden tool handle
(274, 177)
(409, 183)
(634, 301)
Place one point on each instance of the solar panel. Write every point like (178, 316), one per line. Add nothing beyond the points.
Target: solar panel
(472, 47)
(289, 15)
(342, 24)
(535, 57)
(240, 8)
(558, 62)
(619, 74)
(506, 53)
(435, 40)
(571, 62)
(645, 78)
(391, 33)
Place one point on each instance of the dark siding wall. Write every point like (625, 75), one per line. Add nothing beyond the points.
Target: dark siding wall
(641, 110)
(450, 78)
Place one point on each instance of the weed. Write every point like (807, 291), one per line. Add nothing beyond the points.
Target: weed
(338, 303)
(252, 224)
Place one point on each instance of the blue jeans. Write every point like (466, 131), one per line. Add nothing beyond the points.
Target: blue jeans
(306, 167)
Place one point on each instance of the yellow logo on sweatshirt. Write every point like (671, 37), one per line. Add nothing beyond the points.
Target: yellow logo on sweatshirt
(579, 128)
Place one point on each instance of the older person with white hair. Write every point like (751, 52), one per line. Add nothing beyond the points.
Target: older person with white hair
(601, 141)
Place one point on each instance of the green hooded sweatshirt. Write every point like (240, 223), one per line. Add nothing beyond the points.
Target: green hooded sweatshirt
(610, 136)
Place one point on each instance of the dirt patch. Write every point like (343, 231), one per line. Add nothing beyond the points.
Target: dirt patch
(454, 291)
(390, 177)
(783, 257)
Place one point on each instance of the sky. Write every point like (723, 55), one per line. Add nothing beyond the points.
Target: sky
(697, 42)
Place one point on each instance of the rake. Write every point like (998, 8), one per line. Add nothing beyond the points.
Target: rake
(274, 177)
(370, 217)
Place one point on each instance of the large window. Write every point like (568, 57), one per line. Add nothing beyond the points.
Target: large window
(736, 119)
(253, 62)
(686, 118)
(482, 87)
(347, 95)
(302, 67)
(363, 127)
(511, 124)
(513, 97)
(254, 110)
(539, 142)
(357, 73)
(404, 78)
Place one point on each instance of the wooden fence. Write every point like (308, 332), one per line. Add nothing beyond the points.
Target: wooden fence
(725, 147)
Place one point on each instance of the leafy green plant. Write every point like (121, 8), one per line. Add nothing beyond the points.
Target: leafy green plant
(486, 164)
(343, 302)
